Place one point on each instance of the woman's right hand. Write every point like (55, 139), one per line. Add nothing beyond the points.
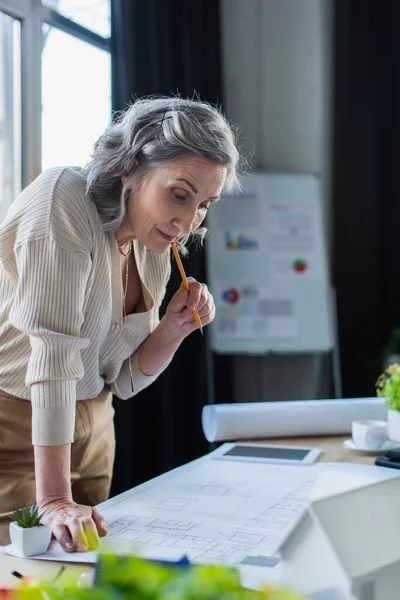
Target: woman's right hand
(76, 527)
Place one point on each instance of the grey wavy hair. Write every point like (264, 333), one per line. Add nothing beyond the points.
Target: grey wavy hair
(153, 132)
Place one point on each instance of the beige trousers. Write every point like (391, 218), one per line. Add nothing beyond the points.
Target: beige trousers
(92, 454)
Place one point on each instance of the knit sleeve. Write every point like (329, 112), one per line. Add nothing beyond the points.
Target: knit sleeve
(48, 307)
(159, 272)
(122, 387)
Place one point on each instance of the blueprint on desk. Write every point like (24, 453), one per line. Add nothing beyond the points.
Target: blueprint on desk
(217, 511)
(213, 511)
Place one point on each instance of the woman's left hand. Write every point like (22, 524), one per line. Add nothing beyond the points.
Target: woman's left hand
(179, 314)
(177, 323)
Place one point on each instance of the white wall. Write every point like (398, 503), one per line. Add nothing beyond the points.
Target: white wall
(277, 72)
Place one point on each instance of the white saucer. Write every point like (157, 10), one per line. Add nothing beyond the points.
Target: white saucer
(388, 445)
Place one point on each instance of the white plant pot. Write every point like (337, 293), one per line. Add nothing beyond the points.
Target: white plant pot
(30, 541)
(393, 420)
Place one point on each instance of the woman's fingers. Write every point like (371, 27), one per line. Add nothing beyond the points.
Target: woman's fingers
(77, 533)
(178, 301)
(62, 535)
(184, 303)
(203, 298)
(195, 292)
(77, 528)
(208, 317)
(208, 306)
(100, 522)
(91, 535)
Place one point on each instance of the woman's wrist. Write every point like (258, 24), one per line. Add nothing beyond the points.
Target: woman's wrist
(53, 473)
(63, 499)
(158, 349)
(170, 334)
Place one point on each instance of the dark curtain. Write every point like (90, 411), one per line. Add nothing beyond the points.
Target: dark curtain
(366, 185)
(166, 47)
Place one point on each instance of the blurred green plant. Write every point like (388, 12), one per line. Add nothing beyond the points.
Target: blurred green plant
(133, 578)
(388, 386)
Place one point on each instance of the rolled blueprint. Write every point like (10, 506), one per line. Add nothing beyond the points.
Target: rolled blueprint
(257, 420)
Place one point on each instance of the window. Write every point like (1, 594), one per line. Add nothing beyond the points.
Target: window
(55, 86)
(92, 14)
(76, 101)
(10, 111)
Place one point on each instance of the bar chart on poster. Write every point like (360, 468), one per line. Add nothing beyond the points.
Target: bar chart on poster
(267, 267)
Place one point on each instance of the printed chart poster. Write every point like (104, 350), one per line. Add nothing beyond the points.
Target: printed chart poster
(268, 269)
(237, 224)
(294, 242)
(251, 311)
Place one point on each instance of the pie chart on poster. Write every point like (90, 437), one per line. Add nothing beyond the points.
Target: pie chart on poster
(231, 296)
(299, 265)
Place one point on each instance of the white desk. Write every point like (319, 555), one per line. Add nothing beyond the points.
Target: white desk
(332, 451)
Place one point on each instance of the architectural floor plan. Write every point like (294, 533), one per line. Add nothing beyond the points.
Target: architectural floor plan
(212, 511)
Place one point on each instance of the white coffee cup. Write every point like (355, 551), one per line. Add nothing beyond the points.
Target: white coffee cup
(369, 434)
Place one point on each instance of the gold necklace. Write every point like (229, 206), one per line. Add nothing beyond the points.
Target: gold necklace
(124, 293)
(128, 251)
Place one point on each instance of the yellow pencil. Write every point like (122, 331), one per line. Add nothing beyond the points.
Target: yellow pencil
(185, 282)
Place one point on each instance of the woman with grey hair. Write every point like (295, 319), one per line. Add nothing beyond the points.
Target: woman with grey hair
(84, 264)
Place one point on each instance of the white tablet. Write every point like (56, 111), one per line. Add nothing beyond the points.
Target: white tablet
(267, 453)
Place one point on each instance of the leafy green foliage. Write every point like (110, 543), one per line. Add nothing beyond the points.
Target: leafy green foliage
(132, 578)
(150, 581)
(388, 386)
(28, 516)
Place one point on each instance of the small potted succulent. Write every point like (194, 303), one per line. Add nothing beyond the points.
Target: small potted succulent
(29, 536)
(388, 386)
